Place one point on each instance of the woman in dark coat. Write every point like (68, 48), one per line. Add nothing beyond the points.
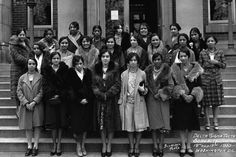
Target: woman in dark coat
(196, 42)
(41, 56)
(144, 36)
(186, 95)
(106, 88)
(81, 105)
(117, 55)
(54, 96)
(160, 85)
(121, 37)
(49, 41)
(19, 52)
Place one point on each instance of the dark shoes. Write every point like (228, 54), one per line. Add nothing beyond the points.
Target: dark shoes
(28, 152)
(55, 153)
(35, 152)
(131, 152)
(182, 152)
(190, 152)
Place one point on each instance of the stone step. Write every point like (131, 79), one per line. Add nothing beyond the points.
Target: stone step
(7, 110)
(230, 68)
(230, 99)
(229, 90)
(229, 82)
(8, 120)
(228, 75)
(4, 85)
(5, 92)
(200, 139)
(7, 102)
(5, 78)
(4, 72)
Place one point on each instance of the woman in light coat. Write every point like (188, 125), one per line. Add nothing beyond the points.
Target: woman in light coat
(133, 109)
(29, 92)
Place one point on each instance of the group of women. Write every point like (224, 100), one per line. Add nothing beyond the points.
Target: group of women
(123, 82)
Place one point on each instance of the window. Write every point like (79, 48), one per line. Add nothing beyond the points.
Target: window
(43, 14)
(218, 11)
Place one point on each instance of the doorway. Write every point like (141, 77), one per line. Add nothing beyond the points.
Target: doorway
(145, 11)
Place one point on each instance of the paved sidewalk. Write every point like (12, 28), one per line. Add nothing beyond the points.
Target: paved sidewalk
(44, 154)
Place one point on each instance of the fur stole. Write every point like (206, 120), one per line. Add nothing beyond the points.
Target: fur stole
(179, 77)
(161, 81)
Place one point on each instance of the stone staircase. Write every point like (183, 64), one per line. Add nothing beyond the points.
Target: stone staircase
(13, 140)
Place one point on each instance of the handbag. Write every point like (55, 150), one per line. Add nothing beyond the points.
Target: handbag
(54, 101)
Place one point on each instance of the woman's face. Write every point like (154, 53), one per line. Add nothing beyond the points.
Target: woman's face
(86, 44)
(73, 30)
(56, 59)
(183, 57)
(97, 32)
(182, 41)
(79, 65)
(31, 65)
(211, 43)
(133, 41)
(22, 35)
(36, 50)
(157, 62)
(105, 58)
(119, 30)
(110, 43)
(194, 36)
(143, 30)
(133, 62)
(49, 35)
(155, 41)
(174, 31)
(64, 44)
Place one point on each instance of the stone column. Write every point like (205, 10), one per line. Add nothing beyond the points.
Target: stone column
(230, 26)
(31, 4)
(5, 29)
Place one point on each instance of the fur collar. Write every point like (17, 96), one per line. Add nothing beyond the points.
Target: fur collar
(179, 77)
(14, 40)
(164, 74)
(98, 67)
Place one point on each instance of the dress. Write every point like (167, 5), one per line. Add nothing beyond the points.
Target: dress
(28, 91)
(211, 78)
(106, 90)
(185, 115)
(159, 110)
(133, 109)
(54, 83)
(81, 115)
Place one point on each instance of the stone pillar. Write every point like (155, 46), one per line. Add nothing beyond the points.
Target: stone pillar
(230, 26)
(31, 4)
(5, 29)
(5, 20)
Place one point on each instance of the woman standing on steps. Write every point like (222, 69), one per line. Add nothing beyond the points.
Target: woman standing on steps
(29, 92)
(19, 52)
(133, 109)
(160, 85)
(54, 97)
(106, 88)
(81, 104)
(212, 60)
(186, 94)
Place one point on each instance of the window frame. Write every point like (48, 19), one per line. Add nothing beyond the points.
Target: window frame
(42, 26)
(221, 21)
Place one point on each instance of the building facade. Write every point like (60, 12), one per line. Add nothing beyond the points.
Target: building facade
(210, 16)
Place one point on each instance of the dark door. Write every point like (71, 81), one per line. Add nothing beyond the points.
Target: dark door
(147, 11)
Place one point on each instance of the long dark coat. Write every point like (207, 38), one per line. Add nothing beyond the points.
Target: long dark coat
(54, 83)
(106, 92)
(19, 57)
(81, 115)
